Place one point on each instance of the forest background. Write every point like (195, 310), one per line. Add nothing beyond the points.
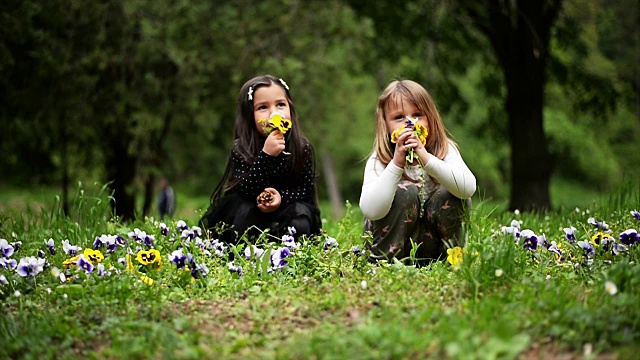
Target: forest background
(543, 97)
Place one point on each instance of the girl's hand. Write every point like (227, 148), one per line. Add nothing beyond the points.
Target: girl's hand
(402, 145)
(274, 144)
(274, 204)
(415, 143)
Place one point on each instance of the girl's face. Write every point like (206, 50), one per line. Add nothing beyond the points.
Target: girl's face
(397, 110)
(266, 101)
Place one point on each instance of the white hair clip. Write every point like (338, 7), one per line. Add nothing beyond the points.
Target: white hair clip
(250, 93)
(284, 84)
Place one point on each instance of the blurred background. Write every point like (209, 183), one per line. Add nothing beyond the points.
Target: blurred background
(541, 96)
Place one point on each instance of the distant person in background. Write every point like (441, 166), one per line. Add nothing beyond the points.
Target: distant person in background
(166, 199)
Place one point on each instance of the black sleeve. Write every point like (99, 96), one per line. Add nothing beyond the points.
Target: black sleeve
(305, 189)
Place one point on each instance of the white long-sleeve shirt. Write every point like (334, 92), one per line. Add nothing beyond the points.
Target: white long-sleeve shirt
(380, 182)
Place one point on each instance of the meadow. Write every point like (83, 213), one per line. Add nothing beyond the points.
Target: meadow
(560, 284)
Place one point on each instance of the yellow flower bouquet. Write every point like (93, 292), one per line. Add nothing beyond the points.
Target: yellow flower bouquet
(419, 130)
(277, 121)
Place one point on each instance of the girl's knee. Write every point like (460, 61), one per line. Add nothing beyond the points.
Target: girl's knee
(442, 201)
(302, 226)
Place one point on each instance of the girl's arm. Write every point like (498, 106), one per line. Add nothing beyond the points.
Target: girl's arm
(378, 188)
(305, 189)
(452, 173)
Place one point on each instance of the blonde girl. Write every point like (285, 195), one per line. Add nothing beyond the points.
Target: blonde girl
(413, 191)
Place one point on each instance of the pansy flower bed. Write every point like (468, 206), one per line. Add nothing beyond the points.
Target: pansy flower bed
(90, 285)
(155, 254)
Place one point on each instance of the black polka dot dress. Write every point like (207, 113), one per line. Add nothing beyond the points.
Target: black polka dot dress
(238, 207)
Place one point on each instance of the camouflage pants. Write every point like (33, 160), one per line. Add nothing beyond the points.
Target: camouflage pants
(439, 227)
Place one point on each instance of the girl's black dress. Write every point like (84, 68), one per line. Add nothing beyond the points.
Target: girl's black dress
(238, 206)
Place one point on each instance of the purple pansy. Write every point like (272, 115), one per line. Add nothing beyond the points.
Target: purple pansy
(513, 229)
(111, 242)
(254, 251)
(100, 268)
(607, 243)
(6, 250)
(329, 243)
(187, 234)
(290, 242)
(635, 214)
(181, 225)
(30, 266)
(542, 241)
(178, 258)
(7, 263)
(218, 247)
(85, 264)
(148, 240)
(599, 225)
(356, 250)
(618, 249)
(98, 242)
(629, 237)
(196, 231)
(235, 268)
(121, 241)
(570, 234)
(51, 245)
(70, 249)
(164, 229)
(530, 239)
(553, 247)
(199, 270)
(278, 257)
(587, 246)
(137, 235)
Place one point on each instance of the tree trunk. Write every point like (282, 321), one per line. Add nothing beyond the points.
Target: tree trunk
(530, 159)
(65, 168)
(524, 61)
(148, 194)
(332, 185)
(120, 167)
(519, 32)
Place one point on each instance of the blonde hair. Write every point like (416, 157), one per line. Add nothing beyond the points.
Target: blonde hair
(437, 140)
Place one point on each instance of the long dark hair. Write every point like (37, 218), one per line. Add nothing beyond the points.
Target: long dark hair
(247, 140)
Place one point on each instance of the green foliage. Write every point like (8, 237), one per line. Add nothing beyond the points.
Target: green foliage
(587, 154)
(129, 91)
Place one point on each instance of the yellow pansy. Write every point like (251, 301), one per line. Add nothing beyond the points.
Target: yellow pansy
(454, 256)
(94, 256)
(276, 122)
(70, 262)
(152, 256)
(596, 239)
(396, 133)
(147, 280)
(421, 132)
(130, 267)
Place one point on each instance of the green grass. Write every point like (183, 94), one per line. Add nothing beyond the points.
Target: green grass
(327, 304)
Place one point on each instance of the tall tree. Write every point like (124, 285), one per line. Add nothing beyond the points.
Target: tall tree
(519, 33)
